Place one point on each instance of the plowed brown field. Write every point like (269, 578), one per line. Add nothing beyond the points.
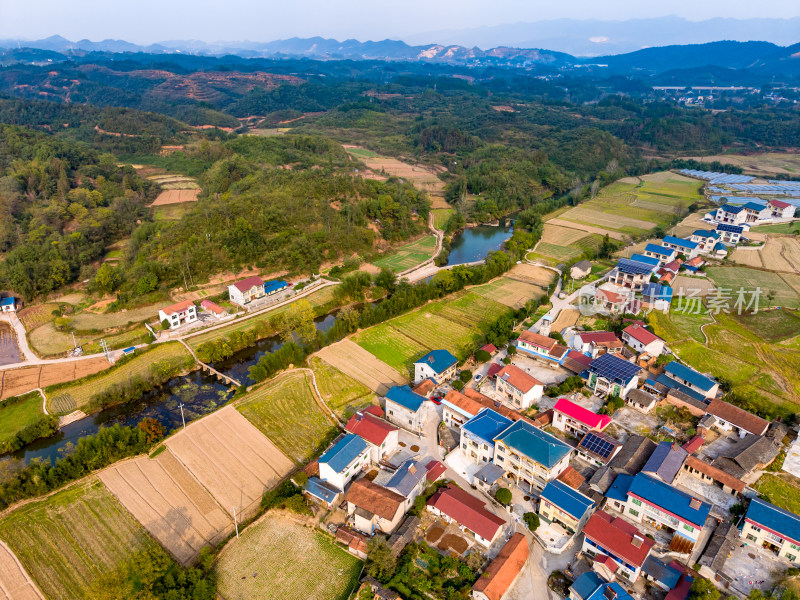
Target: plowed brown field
(14, 382)
(353, 360)
(15, 584)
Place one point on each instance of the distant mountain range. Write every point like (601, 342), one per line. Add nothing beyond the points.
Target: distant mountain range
(714, 61)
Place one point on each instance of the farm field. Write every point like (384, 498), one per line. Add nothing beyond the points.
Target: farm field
(24, 379)
(46, 340)
(766, 164)
(786, 286)
(691, 223)
(77, 395)
(170, 212)
(782, 490)
(284, 409)
(293, 562)
(409, 255)
(316, 299)
(587, 229)
(531, 274)
(679, 326)
(340, 392)
(771, 325)
(566, 318)
(231, 458)
(511, 292)
(15, 583)
(68, 540)
(781, 254)
(454, 323)
(164, 497)
(783, 228)
(421, 177)
(101, 321)
(34, 316)
(16, 414)
(363, 367)
(440, 216)
(176, 196)
(686, 285)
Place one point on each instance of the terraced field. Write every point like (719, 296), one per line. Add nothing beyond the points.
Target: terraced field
(284, 409)
(19, 381)
(68, 540)
(362, 366)
(510, 292)
(339, 391)
(409, 255)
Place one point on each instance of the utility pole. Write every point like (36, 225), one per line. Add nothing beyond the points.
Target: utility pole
(235, 523)
(74, 343)
(182, 418)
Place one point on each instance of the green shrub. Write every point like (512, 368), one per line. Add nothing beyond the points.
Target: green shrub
(503, 496)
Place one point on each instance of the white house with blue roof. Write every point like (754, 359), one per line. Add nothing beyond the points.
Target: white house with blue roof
(664, 255)
(771, 528)
(683, 246)
(590, 586)
(677, 376)
(559, 503)
(404, 408)
(656, 296)
(530, 457)
(732, 214)
(729, 234)
(438, 365)
(8, 304)
(477, 435)
(631, 274)
(610, 375)
(705, 239)
(343, 461)
(669, 509)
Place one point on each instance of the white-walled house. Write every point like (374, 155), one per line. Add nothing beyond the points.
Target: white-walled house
(781, 209)
(8, 304)
(731, 214)
(522, 389)
(373, 508)
(662, 254)
(404, 408)
(682, 246)
(477, 435)
(438, 365)
(178, 314)
(245, 291)
(530, 457)
(344, 460)
(455, 505)
(706, 240)
(380, 436)
(642, 340)
(610, 375)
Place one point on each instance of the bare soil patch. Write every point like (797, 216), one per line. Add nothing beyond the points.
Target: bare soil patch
(453, 542)
(532, 274)
(434, 533)
(176, 197)
(358, 363)
(616, 235)
(15, 583)
(685, 286)
(566, 318)
(20, 381)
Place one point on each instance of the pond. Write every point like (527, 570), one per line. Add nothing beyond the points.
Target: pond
(199, 393)
(9, 350)
(475, 243)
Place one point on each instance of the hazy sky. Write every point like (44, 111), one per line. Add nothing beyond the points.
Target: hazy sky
(146, 21)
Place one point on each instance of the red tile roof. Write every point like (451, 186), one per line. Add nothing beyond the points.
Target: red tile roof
(490, 348)
(694, 444)
(374, 409)
(504, 569)
(467, 510)
(465, 403)
(581, 414)
(424, 387)
(668, 277)
(598, 337)
(374, 498)
(435, 470)
(494, 369)
(696, 261)
(571, 477)
(487, 402)
(580, 357)
(246, 284)
(213, 307)
(537, 340)
(369, 427)
(618, 537)
(641, 334)
(738, 416)
(778, 203)
(518, 378)
(176, 308)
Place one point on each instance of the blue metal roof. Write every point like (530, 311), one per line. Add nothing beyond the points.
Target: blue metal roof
(755, 206)
(674, 385)
(534, 443)
(565, 498)
(729, 208)
(648, 260)
(665, 461)
(407, 477)
(706, 233)
(619, 489)
(683, 372)
(656, 291)
(487, 425)
(9, 301)
(274, 286)
(586, 584)
(770, 516)
(402, 395)
(720, 247)
(319, 489)
(633, 267)
(438, 360)
(670, 499)
(658, 249)
(680, 242)
(344, 452)
(661, 571)
(614, 368)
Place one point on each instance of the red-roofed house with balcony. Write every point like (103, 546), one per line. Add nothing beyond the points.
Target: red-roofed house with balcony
(781, 209)
(642, 340)
(576, 420)
(178, 314)
(522, 389)
(616, 538)
(594, 343)
(455, 505)
(381, 436)
(245, 291)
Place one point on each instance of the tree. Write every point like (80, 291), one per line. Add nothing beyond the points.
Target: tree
(503, 496)
(381, 563)
(770, 298)
(531, 520)
(107, 279)
(511, 350)
(703, 589)
(154, 431)
(458, 385)
(299, 320)
(465, 375)
(482, 356)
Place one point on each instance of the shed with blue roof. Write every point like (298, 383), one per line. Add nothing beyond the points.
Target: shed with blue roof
(343, 460)
(404, 407)
(8, 304)
(590, 586)
(273, 287)
(776, 529)
(561, 504)
(438, 365)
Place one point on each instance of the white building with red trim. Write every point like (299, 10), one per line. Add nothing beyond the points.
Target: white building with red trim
(178, 314)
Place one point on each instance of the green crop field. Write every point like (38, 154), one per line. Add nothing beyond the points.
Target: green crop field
(440, 216)
(100, 321)
(16, 414)
(772, 325)
(68, 540)
(559, 253)
(363, 152)
(317, 299)
(782, 490)
(679, 326)
(77, 394)
(785, 286)
(171, 212)
(46, 340)
(339, 391)
(779, 228)
(277, 558)
(454, 323)
(409, 255)
(284, 410)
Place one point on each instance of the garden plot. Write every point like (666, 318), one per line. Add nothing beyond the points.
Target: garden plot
(234, 461)
(409, 255)
(358, 363)
(279, 558)
(170, 503)
(613, 222)
(340, 392)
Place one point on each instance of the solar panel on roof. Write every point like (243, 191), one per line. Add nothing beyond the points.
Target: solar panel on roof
(597, 445)
(729, 228)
